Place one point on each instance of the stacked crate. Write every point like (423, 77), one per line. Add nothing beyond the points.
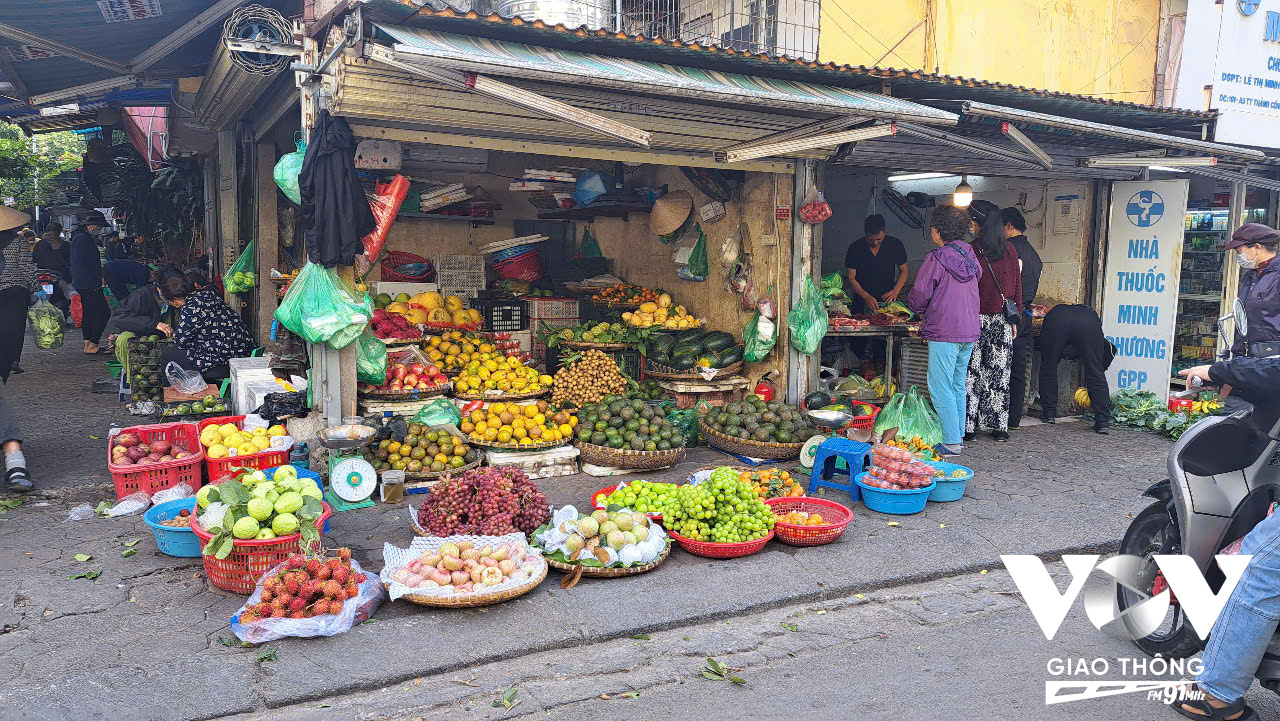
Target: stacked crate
(553, 313)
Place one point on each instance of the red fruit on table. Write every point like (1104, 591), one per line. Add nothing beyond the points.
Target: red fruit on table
(433, 370)
(395, 386)
(399, 371)
(416, 369)
(424, 386)
(410, 380)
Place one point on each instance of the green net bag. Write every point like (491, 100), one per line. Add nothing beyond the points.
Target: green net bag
(241, 276)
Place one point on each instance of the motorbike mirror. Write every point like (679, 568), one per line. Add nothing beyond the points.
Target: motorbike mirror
(1242, 322)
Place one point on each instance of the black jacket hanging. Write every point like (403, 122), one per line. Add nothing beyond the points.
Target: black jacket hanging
(335, 211)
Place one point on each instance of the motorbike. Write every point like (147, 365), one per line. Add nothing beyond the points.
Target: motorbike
(1224, 474)
(49, 283)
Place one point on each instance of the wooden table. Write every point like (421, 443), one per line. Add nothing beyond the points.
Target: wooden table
(889, 333)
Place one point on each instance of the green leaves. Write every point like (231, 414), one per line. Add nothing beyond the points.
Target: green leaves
(9, 503)
(508, 699)
(311, 509)
(716, 671)
(128, 552)
(791, 627)
(82, 557)
(267, 654)
(132, 542)
(233, 642)
(224, 550)
(85, 574)
(233, 493)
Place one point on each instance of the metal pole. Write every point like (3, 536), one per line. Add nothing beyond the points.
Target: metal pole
(617, 16)
(35, 183)
(1231, 273)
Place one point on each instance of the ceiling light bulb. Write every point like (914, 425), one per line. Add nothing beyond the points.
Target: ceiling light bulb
(964, 193)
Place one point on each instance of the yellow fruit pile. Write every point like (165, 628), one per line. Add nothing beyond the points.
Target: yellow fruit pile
(452, 351)
(523, 424)
(661, 314)
(431, 307)
(219, 440)
(493, 371)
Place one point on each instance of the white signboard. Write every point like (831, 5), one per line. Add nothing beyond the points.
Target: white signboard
(1231, 58)
(1140, 290)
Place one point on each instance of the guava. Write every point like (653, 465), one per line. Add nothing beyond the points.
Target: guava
(262, 489)
(588, 527)
(312, 490)
(207, 495)
(616, 540)
(284, 524)
(290, 502)
(259, 508)
(246, 527)
(266, 534)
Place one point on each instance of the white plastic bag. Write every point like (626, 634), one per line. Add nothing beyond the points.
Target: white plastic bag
(131, 505)
(82, 512)
(182, 490)
(184, 381)
(269, 629)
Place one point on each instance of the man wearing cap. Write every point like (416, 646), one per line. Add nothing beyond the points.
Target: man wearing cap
(17, 282)
(86, 278)
(1255, 245)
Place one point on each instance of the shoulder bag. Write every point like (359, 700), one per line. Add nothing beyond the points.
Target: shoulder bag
(1009, 308)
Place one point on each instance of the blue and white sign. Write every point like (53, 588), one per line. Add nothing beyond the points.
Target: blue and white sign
(1140, 286)
(1248, 7)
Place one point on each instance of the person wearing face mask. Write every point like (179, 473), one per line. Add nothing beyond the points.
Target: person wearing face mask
(1255, 245)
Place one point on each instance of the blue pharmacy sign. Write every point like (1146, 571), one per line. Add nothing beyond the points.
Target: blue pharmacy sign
(1140, 287)
(1248, 7)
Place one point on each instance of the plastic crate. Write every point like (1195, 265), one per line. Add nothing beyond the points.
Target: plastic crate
(251, 558)
(219, 467)
(562, 310)
(505, 315)
(396, 259)
(176, 541)
(154, 477)
(462, 272)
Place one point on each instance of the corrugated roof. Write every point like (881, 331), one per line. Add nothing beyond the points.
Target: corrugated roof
(912, 84)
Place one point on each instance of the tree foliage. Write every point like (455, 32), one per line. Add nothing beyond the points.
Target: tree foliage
(22, 165)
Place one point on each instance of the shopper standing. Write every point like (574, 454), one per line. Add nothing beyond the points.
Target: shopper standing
(1015, 228)
(946, 294)
(86, 279)
(17, 283)
(1075, 332)
(1255, 245)
(992, 359)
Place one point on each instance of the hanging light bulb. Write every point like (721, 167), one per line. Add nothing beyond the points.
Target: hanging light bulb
(964, 193)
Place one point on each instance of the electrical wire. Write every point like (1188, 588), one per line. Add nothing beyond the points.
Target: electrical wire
(1121, 60)
(868, 32)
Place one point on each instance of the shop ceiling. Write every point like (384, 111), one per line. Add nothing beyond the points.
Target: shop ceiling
(75, 55)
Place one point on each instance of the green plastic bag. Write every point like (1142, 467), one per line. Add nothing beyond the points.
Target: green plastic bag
(46, 324)
(698, 266)
(437, 412)
(808, 320)
(912, 415)
(241, 276)
(288, 168)
(320, 308)
(371, 359)
(759, 335)
(833, 287)
(589, 247)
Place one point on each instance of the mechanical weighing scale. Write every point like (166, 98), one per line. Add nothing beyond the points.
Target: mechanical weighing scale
(352, 480)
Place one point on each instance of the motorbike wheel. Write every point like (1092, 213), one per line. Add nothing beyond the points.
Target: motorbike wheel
(1152, 533)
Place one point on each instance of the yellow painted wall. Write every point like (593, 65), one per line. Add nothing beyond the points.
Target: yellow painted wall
(1094, 47)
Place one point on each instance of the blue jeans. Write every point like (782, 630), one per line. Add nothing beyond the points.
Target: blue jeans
(948, 369)
(1248, 620)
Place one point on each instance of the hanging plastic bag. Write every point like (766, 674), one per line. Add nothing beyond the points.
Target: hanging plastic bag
(438, 412)
(891, 415)
(759, 335)
(371, 359)
(384, 203)
(356, 610)
(184, 381)
(591, 185)
(927, 425)
(289, 167)
(589, 247)
(808, 320)
(46, 324)
(696, 268)
(241, 276)
(319, 308)
(815, 209)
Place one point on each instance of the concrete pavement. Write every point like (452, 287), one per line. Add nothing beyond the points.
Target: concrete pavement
(137, 641)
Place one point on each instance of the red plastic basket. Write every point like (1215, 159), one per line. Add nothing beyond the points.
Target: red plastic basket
(866, 422)
(707, 549)
(597, 502)
(795, 534)
(397, 258)
(159, 476)
(219, 467)
(528, 267)
(250, 558)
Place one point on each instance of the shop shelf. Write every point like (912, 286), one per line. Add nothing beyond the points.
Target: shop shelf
(603, 210)
(474, 220)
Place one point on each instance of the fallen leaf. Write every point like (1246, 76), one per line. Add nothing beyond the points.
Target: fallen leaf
(711, 676)
(821, 612)
(983, 572)
(132, 543)
(858, 595)
(738, 680)
(132, 599)
(369, 620)
(324, 705)
(82, 557)
(96, 438)
(605, 696)
(128, 552)
(641, 637)
(893, 524)
(267, 654)
(942, 525)
(791, 627)
(630, 694)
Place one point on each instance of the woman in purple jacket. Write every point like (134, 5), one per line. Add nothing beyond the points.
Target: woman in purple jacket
(945, 292)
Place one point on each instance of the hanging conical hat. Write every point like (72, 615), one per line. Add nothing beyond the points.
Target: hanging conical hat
(670, 212)
(10, 218)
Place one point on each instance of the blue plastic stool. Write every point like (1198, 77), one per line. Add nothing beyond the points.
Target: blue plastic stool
(825, 467)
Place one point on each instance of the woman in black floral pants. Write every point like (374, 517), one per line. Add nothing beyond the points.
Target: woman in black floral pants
(987, 389)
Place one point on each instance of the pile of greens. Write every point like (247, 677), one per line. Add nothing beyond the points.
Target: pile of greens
(1143, 409)
(594, 332)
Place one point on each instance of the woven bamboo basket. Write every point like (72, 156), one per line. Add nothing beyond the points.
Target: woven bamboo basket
(472, 600)
(615, 305)
(626, 458)
(657, 370)
(597, 572)
(752, 449)
(519, 447)
(412, 395)
(583, 345)
(502, 398)
(432, 475)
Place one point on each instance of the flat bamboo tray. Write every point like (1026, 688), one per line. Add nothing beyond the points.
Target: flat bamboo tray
(627, 458)
(519, 446)
(432, 475)
(502, 398)
(472, 600)
(657, 370)
(751, 449)
(600, 572)
(412, 395)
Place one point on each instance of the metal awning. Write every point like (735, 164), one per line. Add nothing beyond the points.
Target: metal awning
(517, 60)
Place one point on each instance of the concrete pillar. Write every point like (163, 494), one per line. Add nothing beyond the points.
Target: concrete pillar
(268, 239)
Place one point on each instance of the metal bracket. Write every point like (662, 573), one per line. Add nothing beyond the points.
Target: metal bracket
(260, 45)
(351, 26)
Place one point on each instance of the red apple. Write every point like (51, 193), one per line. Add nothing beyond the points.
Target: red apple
(416, 369)
(410, 380)
(395, 386)
(424, 386)
(432, 370)
(399, 371)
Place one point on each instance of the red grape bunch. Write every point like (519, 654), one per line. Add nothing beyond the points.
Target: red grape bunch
(487, 501)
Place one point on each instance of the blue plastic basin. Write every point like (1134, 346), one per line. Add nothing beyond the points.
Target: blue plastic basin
(176, 541)
(949, 489)
(898, 503)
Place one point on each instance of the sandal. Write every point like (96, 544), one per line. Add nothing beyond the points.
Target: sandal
(17, 480)
(1213, 713)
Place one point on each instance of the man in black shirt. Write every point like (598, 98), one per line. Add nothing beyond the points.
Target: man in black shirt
(876, 266)
(1015, 227)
